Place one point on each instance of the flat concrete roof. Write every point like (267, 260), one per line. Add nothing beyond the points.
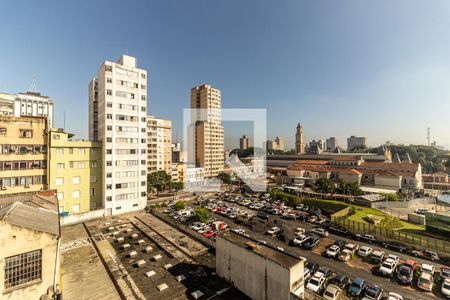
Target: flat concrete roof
(282, 258)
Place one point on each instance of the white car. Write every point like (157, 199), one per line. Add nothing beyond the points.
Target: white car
(333, 251)
(319, 231)
(299, 231)
(365, 251)
(331, 292)
(445, 288)
(427, 268)
(425, 282)
(394, 296)
(351, 247)
(238, 230)
(388, 267)
(273, 230)
(316, 282)
(299, 240)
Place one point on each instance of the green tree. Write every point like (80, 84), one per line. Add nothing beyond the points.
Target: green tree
(201, 214)
(158, 180)
(447, 165)
(179, 205)
(224, 177)
(324, 185)
(390, 196)
(176, 185)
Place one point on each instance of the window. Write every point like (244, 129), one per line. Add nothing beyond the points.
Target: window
(93, 178)
(93, 164)
(76, 194)
(142, 97)
(56, 136)
(71, 164)
(81, 151)
(59, 151)
(109, 92)
(60, 166)
(60, 196)
(26, 133)
(23, 268)
(76, 208)
(93, 192)
(76, 180)
(109, 104)
(70, 150)
(81, 165)
(2, 131)
(109, 80)
(59, 181)
(109, 140)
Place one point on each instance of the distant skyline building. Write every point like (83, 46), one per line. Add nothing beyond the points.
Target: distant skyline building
(331, 144)
(244, 142)
(276, 144)
(117, 118)
(356, 142)
(177, 153)
(299, 139)
(317, 143)
(159, 145)
(208, 131)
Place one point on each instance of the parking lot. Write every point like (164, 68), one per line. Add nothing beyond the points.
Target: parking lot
(243, 214)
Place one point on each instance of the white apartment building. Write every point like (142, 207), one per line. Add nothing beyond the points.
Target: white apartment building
(27, 104)
(120, 95)
(159, 145)
(356, 142)
(208, 130)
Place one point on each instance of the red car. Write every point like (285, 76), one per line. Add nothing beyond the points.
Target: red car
(210, 234)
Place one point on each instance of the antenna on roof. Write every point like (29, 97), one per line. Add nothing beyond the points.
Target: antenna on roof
(33, 86)
(64, 121)
(429, 136)
(126, 48)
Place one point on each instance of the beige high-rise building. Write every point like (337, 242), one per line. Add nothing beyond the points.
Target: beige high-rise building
(118, 118)
(208, 129)
(159, 145)
(299, 139)
(244, 142)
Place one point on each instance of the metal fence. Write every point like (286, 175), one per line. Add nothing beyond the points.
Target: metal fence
(386, 234)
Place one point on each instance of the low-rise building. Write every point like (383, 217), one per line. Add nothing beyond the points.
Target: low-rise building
(29, 243)
(258, 270)
(75, 172)
(23, 159)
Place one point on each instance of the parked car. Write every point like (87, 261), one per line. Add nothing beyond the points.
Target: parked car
(395, 246)
(422, 211)
(394, 296)
(332, 251)
(312, 242)
(365, 237)
(373, 292)
(306, 274)
(316, 282)
(299, 240)
(312, 266)
(340, 243)
(331, 292)
(338, 230)
(299, 206)
(210, 233)
(405, 273)
(327, 272)
(341, 280)
(299, 231)
(357, 287)
(425, 282)
(345, 255)
(319, 231)
(445, 288)
(273, 230)
(262, 215)
(377, 256)
(389, 265)
(352, 247)
(445, 272)
(428, 254)
(427, 268)
(365, 251)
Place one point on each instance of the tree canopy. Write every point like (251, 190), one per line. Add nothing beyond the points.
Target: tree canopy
(324, 185)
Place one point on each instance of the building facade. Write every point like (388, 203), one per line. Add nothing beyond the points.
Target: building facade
(331, 144)
(121, 89)
(159, 145)
(75, 172)
(207, 131)
(244, 142)
(299, 139)
(277, 144)
(356, 142)
(27, 104)
(177, 153)
(24, 146)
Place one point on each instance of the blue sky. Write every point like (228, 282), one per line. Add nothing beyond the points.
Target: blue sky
(379, 69)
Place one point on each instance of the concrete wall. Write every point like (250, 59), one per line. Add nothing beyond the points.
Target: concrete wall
(388, 181)
(404, 204)
(254, 275)
(15, 240)
(416, 218)
(73, 219)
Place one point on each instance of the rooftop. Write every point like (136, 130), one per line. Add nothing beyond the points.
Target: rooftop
(279, 257)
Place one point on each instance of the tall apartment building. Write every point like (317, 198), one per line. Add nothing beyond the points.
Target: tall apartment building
(331, 144)
(23, 159)
(75, 172)
(299, 139)
(277, 144)
(177, 153)
(159, 145)
(356, 142)
(208, 129)
(244, 142)
(27, 104)
(121, 102)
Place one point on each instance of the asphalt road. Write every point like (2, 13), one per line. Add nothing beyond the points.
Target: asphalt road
(353, 269)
